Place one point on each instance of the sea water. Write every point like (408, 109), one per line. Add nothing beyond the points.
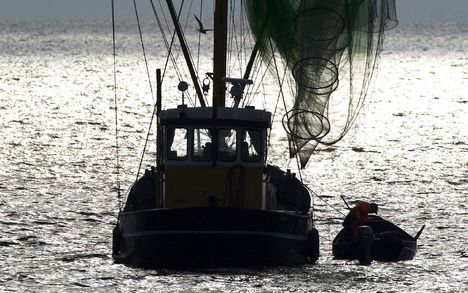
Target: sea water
(58, 202)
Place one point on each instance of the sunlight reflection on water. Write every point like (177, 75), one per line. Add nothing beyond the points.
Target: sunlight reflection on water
(57, 176)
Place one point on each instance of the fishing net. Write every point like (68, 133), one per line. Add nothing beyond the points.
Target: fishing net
(330, 49)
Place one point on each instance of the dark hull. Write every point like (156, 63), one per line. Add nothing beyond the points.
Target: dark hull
(390, 243)
(214, 237)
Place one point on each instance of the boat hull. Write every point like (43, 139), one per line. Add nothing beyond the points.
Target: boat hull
(390, 243)
(214, 237)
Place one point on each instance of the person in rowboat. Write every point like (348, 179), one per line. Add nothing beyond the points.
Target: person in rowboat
(357, 216)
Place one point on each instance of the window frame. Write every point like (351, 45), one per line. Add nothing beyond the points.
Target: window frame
(168, 147)
(236, 144)
(261, 147)
(193, 145)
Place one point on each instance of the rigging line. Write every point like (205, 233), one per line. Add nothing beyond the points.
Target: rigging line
(187, 54)
(285, 108)
(239, 45)
(146, 142)
(239, 39)
(242, 33)
(164, 15)
(279, 95)
(232, 37)
(326, 202)
(257, 64)
(249, 95)
(119, 197)
(189, 97)
(234, 42)
(99, 222)
(170, 55)
(188, 48)
(250, 90)
(234, 34)
(276, 104)
(229, 42)
(188, 15)
(298, 166)
(241, 24)
(257, 70)
(154, 105)
(144, 51)
(199, 38)
(151, 89)
(163, 35)
(169, 49)
(259, 83)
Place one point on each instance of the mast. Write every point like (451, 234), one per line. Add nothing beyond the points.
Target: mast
(220, 46)
(185, 51)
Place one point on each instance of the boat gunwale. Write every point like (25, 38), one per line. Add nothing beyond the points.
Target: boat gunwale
(281, 212)
(216, 233)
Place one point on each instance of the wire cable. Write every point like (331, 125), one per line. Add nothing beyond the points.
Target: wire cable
(144, 51)
(119, 197)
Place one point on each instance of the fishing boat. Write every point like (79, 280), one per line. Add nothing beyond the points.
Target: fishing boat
(213, 199)
(379, 239)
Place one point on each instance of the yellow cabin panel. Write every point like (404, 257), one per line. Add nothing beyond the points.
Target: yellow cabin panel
(229, 186)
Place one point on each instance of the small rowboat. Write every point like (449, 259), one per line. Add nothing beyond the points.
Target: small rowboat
(379, 240)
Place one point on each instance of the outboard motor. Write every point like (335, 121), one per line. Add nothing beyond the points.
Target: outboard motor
(116, 241)
(313, 246)
(365, 239)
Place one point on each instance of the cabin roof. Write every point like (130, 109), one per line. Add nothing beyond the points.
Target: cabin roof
(185, 116)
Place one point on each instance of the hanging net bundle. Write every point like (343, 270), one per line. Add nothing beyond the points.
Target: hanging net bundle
(330, 49)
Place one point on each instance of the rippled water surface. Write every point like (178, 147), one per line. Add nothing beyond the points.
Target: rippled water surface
(408, 152)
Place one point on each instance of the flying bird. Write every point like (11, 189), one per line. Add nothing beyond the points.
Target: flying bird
(200, 26)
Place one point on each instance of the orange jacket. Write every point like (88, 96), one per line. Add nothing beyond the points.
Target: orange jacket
(360, 214)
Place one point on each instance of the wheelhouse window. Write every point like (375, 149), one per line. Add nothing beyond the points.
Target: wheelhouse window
(201, 148)
(177, 143)
(227, 140)
(251, 145)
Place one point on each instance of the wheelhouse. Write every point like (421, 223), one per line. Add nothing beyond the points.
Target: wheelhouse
(220, 160)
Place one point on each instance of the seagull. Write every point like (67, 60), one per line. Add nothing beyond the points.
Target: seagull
(200, 26)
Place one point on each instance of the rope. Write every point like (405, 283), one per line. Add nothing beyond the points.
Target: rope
(285, 107)
(119, 197)
(146, 141)
(259, 83)
(199, 38)
(166, 43)
(170, 55)
(90, 231)
(189, 97)
(280, 93)
(326, 202)
(143, 48)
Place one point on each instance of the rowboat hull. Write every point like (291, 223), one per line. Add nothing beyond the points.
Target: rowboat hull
(389, 243)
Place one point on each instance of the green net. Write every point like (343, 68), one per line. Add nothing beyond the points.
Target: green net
(330, 49)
